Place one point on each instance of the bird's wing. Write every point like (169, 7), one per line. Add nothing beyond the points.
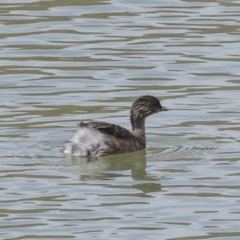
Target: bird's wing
(108, 129)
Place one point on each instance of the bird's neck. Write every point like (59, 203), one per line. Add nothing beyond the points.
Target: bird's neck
(138, 128)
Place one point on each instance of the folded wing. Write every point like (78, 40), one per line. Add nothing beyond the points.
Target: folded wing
(108, 129)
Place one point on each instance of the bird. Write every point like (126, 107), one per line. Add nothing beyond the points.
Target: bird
(102, 138)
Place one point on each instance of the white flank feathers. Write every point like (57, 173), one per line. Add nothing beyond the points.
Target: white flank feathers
(85, 142)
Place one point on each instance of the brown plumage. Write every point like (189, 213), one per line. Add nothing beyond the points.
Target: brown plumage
(101, 138)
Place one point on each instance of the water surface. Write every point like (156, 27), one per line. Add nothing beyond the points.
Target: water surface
(62, 62)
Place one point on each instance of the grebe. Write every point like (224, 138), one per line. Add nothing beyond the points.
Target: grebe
(101, 138)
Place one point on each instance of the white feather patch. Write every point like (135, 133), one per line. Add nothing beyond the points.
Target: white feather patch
(84, 142)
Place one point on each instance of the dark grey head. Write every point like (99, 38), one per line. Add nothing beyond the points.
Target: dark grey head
(143, 107)
(146, 105)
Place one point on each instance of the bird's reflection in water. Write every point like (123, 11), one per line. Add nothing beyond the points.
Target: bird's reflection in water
(112, 166)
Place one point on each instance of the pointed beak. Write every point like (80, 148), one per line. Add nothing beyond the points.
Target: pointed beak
(163, 109)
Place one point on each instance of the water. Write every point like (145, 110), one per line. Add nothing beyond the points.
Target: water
(62, 62)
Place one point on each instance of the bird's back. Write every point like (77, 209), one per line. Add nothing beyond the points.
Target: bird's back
(101, 138)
